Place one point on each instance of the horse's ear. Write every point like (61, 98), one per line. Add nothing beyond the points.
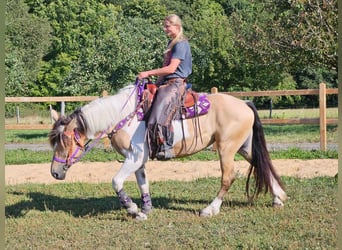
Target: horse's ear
(54, 114)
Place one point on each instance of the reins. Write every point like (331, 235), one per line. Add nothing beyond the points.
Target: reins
(130, 116)
(71, 157)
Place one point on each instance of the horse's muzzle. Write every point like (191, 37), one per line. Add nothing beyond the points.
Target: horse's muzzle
(60, 173)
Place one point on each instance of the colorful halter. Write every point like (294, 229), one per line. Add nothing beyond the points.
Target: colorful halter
(71, 157)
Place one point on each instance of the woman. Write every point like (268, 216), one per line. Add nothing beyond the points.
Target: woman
(172, 76)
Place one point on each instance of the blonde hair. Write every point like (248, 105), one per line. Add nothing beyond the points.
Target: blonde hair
(173, 19)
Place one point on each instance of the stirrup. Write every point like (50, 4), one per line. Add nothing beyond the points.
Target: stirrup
(165, 155)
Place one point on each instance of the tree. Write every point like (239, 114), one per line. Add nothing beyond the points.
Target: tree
(212, 48)
(292, 34)
(75, 65)
(26, 42)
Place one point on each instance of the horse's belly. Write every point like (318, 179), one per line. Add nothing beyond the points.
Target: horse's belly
(181, 130)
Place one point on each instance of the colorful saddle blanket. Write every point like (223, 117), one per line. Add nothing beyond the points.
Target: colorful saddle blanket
(195, 104)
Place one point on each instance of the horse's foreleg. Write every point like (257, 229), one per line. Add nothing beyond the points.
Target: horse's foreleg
(144, 190)
(125, 171)
(228, 177)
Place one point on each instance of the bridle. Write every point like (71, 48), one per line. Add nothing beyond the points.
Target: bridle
(80, 146)
(74, 134)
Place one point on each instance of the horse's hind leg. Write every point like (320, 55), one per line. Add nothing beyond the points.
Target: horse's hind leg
(228, 177)
(278, 193)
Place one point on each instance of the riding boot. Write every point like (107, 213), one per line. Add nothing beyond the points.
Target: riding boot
(166, 148)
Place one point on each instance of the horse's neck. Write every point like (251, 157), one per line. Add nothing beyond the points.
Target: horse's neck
(104, 113)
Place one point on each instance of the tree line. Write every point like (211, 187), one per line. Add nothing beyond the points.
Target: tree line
(82, 47)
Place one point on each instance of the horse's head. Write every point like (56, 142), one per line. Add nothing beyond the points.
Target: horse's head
(67, 142)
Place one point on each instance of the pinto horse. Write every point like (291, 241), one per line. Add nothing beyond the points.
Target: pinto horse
(231, 123)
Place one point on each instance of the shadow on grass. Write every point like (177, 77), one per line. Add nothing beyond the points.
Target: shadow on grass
(78, 207)
(85, 207)
(36, 135)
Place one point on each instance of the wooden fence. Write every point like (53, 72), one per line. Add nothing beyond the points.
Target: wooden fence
(322, 92)
(322, 120)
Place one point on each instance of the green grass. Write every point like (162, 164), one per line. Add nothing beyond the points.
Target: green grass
(298, 133)
(26, 136)
(297, 113)
(87, 216)
(274, 134)
(24, 156)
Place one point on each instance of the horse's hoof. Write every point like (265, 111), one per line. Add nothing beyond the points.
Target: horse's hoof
(132, 209)
(146, 210)
(205, 214)
(277, 203)
(141, 216)
(209, 211)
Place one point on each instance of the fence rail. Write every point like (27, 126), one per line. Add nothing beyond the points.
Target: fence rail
(322, 120)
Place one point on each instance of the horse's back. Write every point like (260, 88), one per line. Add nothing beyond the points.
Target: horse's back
(232, 108)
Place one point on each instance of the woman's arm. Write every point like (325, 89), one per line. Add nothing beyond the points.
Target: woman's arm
(166, 70)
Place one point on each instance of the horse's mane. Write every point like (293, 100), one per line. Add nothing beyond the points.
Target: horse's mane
(97, 115)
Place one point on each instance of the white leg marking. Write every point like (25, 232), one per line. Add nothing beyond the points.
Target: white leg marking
(212, 209)
(279, 195)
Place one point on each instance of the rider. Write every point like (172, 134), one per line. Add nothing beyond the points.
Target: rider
(171, 80)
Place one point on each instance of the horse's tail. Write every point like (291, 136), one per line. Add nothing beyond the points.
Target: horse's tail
(261, 162)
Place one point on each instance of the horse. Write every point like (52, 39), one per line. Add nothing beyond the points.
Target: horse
(231, 123)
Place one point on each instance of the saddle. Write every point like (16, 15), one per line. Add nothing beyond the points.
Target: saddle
(194, 104)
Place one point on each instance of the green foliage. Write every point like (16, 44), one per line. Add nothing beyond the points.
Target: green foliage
(151, 10)
(268, 35)
(16, 79)
(26, 43)
(81, 31)
(213, 51)
(140, 47)
(67, 47)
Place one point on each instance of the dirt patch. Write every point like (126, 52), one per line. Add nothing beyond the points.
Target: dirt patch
(94, 172)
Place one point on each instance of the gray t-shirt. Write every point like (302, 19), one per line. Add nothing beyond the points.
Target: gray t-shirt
(181, 50)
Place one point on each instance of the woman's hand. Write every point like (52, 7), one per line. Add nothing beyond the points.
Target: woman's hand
(143, 75)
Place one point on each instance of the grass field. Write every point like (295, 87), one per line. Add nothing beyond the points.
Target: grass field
(87, 216)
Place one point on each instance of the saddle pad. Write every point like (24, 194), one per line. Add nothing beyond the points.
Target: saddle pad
(201, 108)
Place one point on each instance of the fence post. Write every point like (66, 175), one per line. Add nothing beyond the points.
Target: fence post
(62, 108)
(214, 91)
(106, 141)
(271, 107)
(322, 116)
(51, 118)
(17, 114)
